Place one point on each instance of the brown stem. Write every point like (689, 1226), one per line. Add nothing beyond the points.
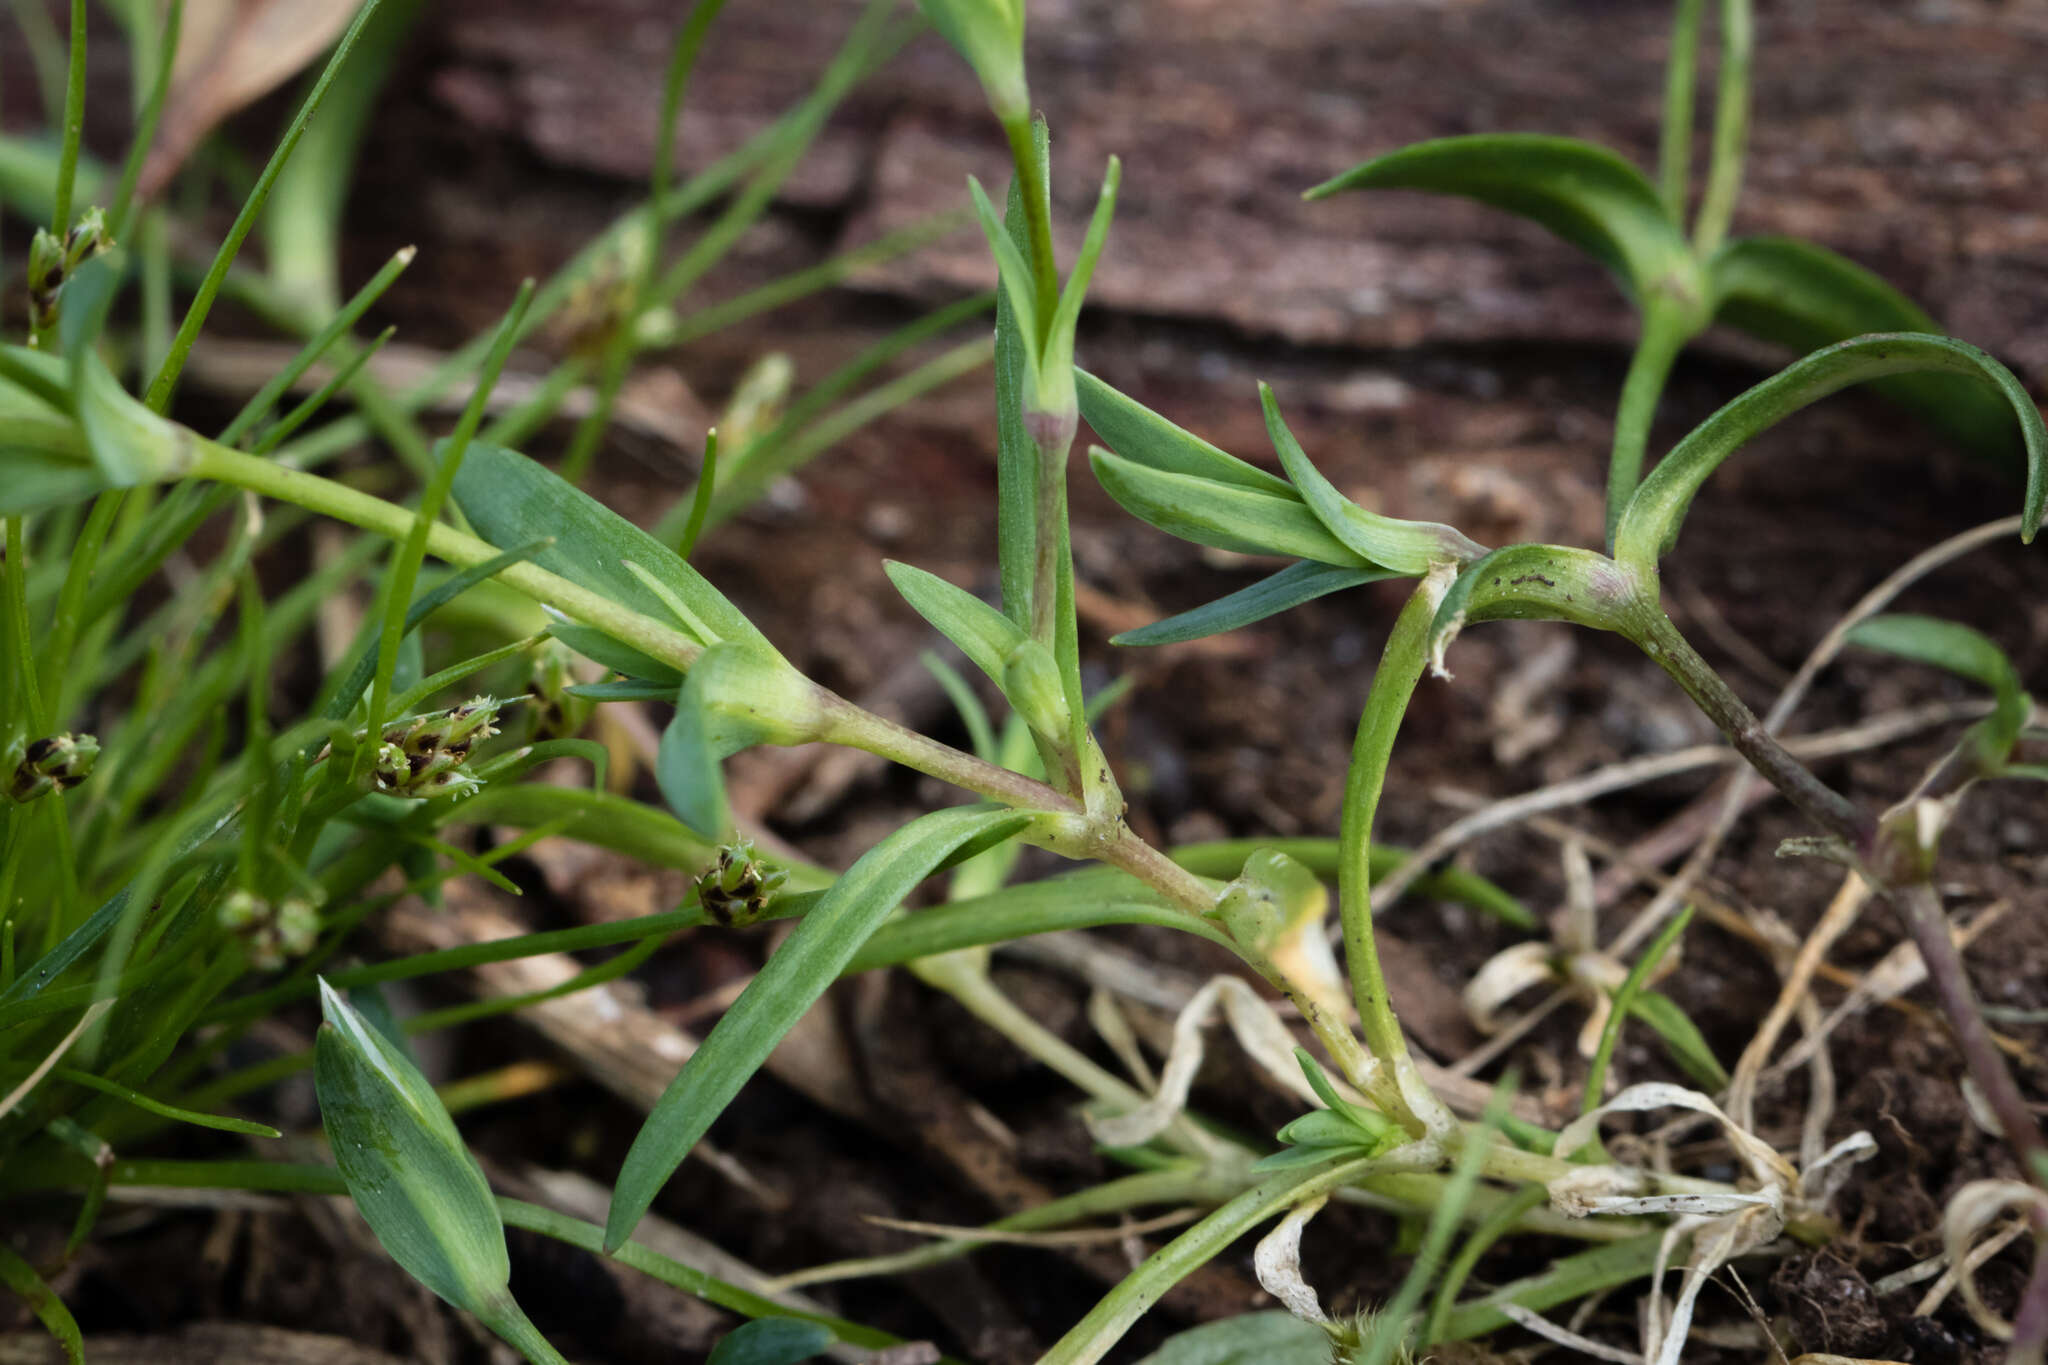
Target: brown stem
(1920, 906)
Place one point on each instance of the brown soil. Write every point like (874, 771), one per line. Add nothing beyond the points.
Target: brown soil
(1451, 405)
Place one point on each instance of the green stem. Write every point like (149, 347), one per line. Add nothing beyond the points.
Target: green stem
(1667, 326)
(1106, 1323)
(1654, 633)
(1400, 668)
(74, 123)
(1674, 148)
(1037, 199)
(1731, 130)
(315, 494)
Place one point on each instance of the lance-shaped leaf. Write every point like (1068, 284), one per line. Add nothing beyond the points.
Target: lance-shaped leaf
(737, 695)
(1408, 547)
(594, 644)
(1537, 583)
(1224, 515)
(1804, 296)
(1585, 194)
(1142, 436)
(1649, 524)
(772, 1341)
(511, 500)
(984, 635)
(1301, 581)
(411, 1176)
(809, 961)
(1968, 653)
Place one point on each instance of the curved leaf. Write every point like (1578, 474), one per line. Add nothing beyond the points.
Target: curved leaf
(1649, 524)
(1584, 193)
(1301, 581)
(1408, 547)
(772, 1341)
(1534, 583)
(1804, 296)
(809, 961)
(1226, 516)
(1959, 649)
(1142, 436)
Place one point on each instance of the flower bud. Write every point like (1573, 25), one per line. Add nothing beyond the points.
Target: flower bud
(273, 933)
(52, 262)
(737, 888)
(424, 756)
(53, 763)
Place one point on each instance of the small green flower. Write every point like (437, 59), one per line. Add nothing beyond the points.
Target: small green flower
(424, 756)
(273, 932)
(737, 888)
(53, 763)
(52, 262)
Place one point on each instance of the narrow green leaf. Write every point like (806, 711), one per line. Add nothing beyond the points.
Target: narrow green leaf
(511, 500)
(1681, 1037)
(1407, 547)
(809, 961)
(1585, 194)
(1016, 452)
(1804, 296)
(1649, 525)
(406, 1166)
(1957, 648)
(1226, 516)
(1302, 581)
(1142, 436)
(1059, 347)
(1269, 1338)
(1011, 270)
(772, 1341)
(625, 689)
(594, 644)
(19, 1276)
(219, 1122)
(1624, 1004)
(985, 635)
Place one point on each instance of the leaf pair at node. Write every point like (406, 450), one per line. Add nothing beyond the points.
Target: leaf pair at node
(1343, 1130)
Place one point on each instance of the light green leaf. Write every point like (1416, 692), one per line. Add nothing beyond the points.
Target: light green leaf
(1142, 436)
(406, 1167)
(1301, 581)
(1227, 516)
(1407, 547)
(772, 1341)
(1585, 194)
(809, 961)
(21, 1277)
(1649, 524)
(594, 644)
(624, 689)
(511, 500)
(985, 635)
(1804, 296)
(1271, 1338)
(1681, 1037)
(1019, 290)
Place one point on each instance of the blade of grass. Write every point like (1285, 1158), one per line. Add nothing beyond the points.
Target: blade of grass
(74, 122)
(146, 121)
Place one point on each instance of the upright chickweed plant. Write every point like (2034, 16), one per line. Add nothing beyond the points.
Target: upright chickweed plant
(167, 905)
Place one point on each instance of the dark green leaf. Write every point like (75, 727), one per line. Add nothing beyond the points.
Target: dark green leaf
(772, 1341)
(1804, 296)
(1227, 516)
(1143, 437)
(624, 689)
(1682, 1038)
(1016, 453)
(1585, 194)
(511, 501)
(1649, 524)
(809, 961)
(1302, 581)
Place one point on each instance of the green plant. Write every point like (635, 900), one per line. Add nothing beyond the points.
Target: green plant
(371, 781)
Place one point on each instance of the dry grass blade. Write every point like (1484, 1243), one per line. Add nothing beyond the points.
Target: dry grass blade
(231, 52)
(1069, 1237)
